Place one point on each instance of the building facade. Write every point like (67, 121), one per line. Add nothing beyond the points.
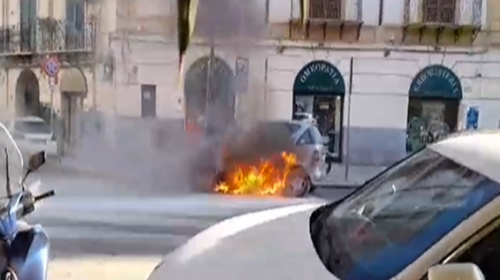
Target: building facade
(47, 50)
(383, 78)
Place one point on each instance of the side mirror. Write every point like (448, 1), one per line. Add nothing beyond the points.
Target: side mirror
(36, 160)
(455, 271)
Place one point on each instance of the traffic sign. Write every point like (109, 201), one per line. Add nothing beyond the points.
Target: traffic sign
(472, 118)
(51, 66)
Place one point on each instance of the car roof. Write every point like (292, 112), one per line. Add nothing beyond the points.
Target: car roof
(303, 125)
(29, 119)
(478, 150)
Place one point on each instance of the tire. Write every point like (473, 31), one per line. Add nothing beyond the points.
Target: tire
(306, 187)
(313, 188)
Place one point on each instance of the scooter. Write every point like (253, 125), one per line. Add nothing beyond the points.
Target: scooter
(24, 248)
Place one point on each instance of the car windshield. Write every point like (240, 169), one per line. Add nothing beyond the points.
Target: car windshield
(35, 127)
(10, 151)
(316, 135)
(385, 226)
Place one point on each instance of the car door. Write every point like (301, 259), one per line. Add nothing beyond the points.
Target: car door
(308, 148)
(481, 231)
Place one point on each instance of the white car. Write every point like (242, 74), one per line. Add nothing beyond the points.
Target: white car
(265, 138)
(32, 135)
(438, 206)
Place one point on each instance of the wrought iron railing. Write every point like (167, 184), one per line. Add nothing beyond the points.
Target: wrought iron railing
(464, 12)
(347, 10)
(47, 36)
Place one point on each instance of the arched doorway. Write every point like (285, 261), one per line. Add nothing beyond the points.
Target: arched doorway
(73, 89)
(318, 92)
(435, 94)
(209, 93)
(27, 100)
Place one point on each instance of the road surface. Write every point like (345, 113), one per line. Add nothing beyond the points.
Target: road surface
(107, 229)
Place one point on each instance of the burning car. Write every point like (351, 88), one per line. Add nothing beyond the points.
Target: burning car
(281, 158)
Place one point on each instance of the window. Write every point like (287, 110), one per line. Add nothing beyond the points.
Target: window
(325, 9)
(327, 112)
(485, 252)
(429, 120)
(439, 11)
(398, 216)
(28, 25)
(307, 138)
(75, 21)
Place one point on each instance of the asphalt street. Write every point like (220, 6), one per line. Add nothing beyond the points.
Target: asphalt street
(117, 231)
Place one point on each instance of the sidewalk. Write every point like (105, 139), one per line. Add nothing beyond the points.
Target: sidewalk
(356, 176)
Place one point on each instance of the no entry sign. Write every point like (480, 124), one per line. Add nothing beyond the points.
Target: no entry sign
(51, 66)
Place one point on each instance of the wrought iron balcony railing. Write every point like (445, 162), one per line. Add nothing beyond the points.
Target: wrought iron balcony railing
(336, 10)
(459, 13)
(47, 36)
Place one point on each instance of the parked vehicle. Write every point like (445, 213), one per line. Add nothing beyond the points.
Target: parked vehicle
(438, 207)
(32, 134)
(301, 138)
(24, 248)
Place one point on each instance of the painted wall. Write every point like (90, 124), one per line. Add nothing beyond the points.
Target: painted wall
(153, 61)
(379, 100)
(8, 82)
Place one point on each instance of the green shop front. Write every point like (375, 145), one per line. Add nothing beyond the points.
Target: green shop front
(434, 99)
(318, 92)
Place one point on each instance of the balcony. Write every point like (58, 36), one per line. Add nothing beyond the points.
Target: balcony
(461, 17)
(326, 17)
(46, 36)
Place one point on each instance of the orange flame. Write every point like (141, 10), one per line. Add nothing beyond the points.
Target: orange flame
(267, 178)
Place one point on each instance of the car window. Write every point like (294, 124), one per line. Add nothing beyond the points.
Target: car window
(483, 251)
(31, 127)
(384, 227)
(310, 137)
(306, 138)
(289, 127)
(318, 138)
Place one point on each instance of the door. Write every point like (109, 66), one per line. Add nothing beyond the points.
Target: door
(148, 101)
(70, 109)
(75, 17)
(28, 25)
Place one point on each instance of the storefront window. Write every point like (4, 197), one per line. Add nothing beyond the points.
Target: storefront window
(327, 113)
(319, 91)
(435, 95)
(429, 121)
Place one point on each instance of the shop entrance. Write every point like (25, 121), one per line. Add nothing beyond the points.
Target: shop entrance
(318, 94)
(435, 95)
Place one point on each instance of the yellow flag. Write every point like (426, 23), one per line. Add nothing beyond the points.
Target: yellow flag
(186, 18)
(304, 11)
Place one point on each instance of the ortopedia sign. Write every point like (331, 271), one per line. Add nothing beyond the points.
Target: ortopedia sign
(319, 77)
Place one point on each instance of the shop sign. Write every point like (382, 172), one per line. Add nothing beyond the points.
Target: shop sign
(436, 81)
(319, 77)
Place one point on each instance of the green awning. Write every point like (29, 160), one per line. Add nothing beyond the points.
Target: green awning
(319, 77)
(436, 81)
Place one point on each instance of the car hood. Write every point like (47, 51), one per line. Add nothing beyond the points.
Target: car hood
(272, 244)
